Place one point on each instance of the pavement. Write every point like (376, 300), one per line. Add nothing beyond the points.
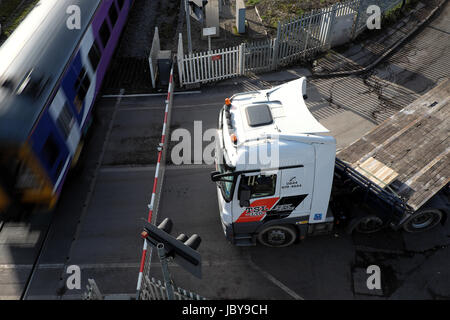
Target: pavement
(371, 47)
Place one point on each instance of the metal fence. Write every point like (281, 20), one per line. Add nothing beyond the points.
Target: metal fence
(297, 39)
(209, 66)
(155, 290)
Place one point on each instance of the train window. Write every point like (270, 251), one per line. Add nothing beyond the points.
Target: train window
(104, 33)
(81, 88)
(113, 14)
(94, 55)
(65, 120)
(50, 151)
(120, 3)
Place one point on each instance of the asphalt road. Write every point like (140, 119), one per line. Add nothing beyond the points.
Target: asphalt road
(97, 223)
(328, 267)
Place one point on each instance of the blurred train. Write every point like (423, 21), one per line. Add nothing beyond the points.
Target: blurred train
(51, 70)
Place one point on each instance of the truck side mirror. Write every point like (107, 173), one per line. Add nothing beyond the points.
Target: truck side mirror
(214, 176)
(244, 197)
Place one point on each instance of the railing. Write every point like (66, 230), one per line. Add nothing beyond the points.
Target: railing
(155, 290)
(297, 39)
(397, 205)
(209, 66)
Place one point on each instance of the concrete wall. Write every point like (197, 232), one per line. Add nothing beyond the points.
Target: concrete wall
(342, 29)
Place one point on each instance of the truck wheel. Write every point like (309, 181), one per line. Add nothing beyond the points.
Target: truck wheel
(277, 236)
(423, 220)
(365, 224)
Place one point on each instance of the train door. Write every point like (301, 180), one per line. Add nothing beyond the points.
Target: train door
(50, 148)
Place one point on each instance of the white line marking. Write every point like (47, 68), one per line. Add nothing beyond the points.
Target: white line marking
(118, 265)
(15, 266)
(128, 169)
(148, 94)
(187, 106)
(119, 169)
(275, 281)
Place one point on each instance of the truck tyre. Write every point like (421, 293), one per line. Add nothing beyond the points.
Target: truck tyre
(365, 224)
(423, 220)
(277, 236)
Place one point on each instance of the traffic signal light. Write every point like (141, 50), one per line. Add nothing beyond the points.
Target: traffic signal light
(182, 249)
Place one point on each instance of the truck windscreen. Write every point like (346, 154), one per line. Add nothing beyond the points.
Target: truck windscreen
(226, 184)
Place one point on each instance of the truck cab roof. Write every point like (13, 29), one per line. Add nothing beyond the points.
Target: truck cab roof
(276, 119)
(280, 110)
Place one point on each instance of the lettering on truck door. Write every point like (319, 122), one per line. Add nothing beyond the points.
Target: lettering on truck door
(296, 190)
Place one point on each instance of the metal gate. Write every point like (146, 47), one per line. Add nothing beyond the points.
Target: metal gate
(297, 39)
(155, 290)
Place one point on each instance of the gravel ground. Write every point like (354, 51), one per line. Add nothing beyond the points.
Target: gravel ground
(129, 69)
(144, 17)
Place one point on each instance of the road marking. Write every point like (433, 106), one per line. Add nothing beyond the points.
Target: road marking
(117, 265)
(143, 95)
(119, 169)
(9, 297)
(150, 168)
(187, 106)
(15, 266)
(275, 281)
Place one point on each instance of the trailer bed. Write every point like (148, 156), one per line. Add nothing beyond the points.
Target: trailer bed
(409, 152)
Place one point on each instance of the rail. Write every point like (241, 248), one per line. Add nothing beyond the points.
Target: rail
(397, 205)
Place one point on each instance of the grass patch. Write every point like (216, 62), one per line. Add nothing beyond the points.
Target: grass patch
(12, 14)
(252, 2)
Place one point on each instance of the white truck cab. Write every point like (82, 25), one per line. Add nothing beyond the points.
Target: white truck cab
(275, 167)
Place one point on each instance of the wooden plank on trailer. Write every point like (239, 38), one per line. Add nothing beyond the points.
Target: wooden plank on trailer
(377, 172)
(415, 143)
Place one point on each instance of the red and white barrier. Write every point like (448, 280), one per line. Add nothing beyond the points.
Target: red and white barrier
(155, 181)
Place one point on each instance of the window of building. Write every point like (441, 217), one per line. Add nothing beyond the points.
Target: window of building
(81, 88)
(94, 55)
(104, 33)
(113, 14)
(260, 186)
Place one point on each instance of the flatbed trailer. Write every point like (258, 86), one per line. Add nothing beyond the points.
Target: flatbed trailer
(397, 175)
(405, 161)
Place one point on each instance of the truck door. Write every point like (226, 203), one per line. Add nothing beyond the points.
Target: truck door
(264, 194)
(296, 191)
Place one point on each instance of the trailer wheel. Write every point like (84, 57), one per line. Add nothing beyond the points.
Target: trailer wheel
(277, 236)
(423, 220)
(365, 224)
